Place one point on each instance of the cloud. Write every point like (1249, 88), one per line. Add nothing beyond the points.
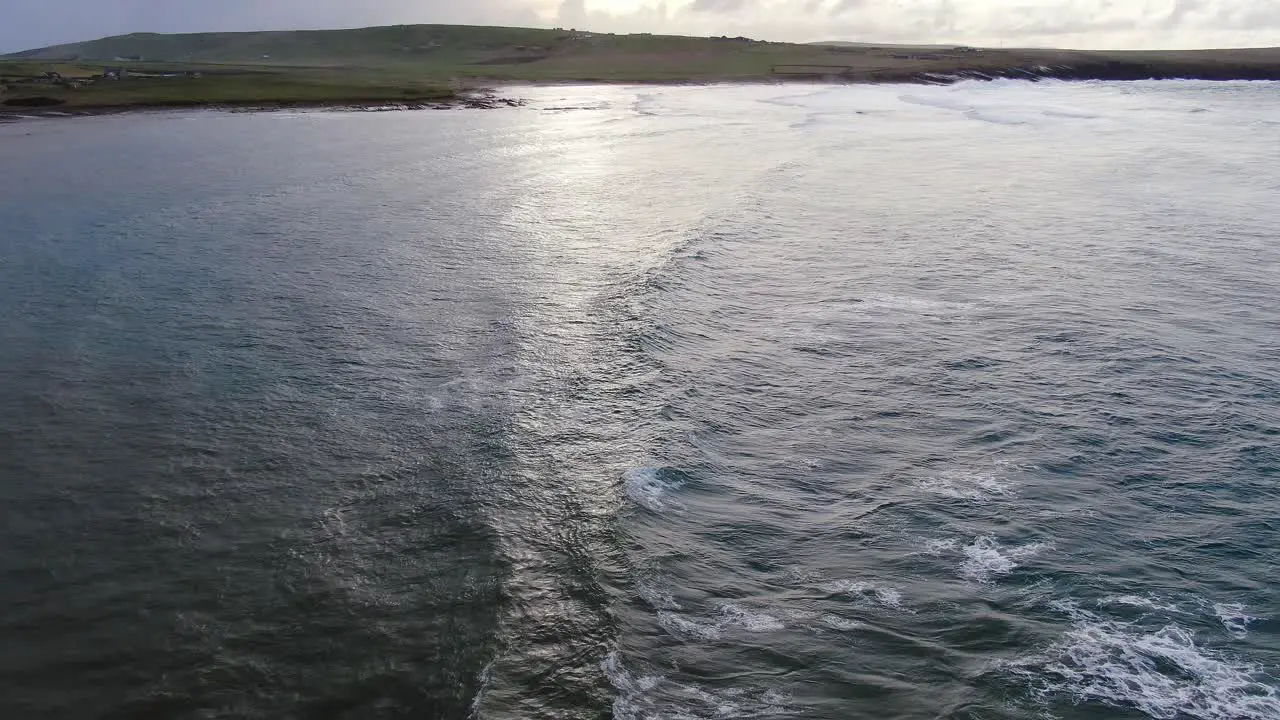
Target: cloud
(720, 6)
(1079, 23)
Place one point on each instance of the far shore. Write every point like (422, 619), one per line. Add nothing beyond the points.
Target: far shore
(473, 101)
(479, 74)
(488, 100)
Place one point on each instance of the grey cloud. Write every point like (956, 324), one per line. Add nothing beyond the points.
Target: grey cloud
(1180, 10)
(720, 6)
(850, 5)
(572, 12)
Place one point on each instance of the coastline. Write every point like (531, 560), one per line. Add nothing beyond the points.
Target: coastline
(429, 67)
(479, 100)
(488, 97)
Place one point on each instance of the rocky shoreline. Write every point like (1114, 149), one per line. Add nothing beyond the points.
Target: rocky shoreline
(1100, 70)
(469, 101)
(1111, 71)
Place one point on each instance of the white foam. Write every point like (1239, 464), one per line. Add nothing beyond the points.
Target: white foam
(654, 697)
(998, 117)
(1234, 618)
(1146, 603)
(644, 103)
(1070, 114)
(730, 617)
(985, 559)
(881, 594)
(835, 622)
(646, 488)
(632, 701)
(939, 546)
(657, 598)
(682, 625)
(940, 101)
(737, 616)
(961, 485)
(1162, 673)
(921, 305)
(486, 681)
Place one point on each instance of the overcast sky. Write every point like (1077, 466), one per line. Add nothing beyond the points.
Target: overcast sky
(1076, 23)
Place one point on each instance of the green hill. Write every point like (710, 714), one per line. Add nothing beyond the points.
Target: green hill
(397, 43)
(423, 63)
(449, 51)
(461, 52)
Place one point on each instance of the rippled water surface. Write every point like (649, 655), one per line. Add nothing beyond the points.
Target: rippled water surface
(737, 402)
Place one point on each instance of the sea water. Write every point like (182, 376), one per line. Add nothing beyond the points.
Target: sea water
(705, 402)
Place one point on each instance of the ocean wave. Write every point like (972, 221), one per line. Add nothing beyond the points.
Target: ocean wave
(967, 485)
(912, 304)
(986, 559)
(1163, 672)
(682, 625)
(882, 595)
(651, 696)
(1146, 603)
(632, 700)
(656, 597)
(730, 617)
(835, 622)
(650, 489)
(1234, 618)
(938, 546)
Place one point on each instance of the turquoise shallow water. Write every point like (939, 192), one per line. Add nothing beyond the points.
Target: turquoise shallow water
(798, 401)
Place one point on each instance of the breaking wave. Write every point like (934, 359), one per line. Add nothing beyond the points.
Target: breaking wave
(650, 488)
(1162, 672)
(986, 559)
(652, 696)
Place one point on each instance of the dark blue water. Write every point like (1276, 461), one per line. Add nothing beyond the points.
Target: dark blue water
(814, 402)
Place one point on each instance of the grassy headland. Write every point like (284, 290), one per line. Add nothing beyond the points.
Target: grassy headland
(80, 87)
(425, 64)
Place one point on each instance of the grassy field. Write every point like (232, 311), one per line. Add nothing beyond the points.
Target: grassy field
(212, 85)
(429, 62)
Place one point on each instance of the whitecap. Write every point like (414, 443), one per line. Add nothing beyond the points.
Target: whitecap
(920, 305)
(1234, 618)
(881, 594)
(656, 597)
(966, 485)
(632, 699)
(835, 622)
(1146, 603)
(486, 681)
(737, 616)
(682, 625)
(647, 488)
(655, 697)
(1162, 673)
(937, 547)
(731, 616)
(985, 559)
